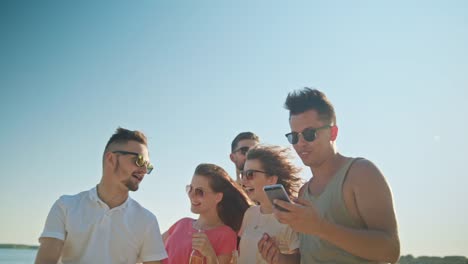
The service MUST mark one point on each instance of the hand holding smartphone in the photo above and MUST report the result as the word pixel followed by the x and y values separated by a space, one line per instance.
pixel 277 191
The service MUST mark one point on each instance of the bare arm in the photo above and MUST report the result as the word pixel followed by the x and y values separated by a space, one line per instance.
pixel 374 205
pixel 152 262
pixel 49 251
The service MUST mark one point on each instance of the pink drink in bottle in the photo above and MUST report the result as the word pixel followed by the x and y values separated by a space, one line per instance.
pixel 196 257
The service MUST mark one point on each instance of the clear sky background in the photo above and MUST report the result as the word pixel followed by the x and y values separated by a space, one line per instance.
pixel 194 74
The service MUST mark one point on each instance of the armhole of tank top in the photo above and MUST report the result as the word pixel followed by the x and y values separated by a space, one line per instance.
pixel 345 175
pixel 304 189
pixel 342 184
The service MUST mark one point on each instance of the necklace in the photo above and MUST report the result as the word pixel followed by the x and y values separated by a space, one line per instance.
pixel 196 225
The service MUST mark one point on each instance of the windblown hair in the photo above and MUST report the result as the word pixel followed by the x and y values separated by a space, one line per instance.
pixel 276 161
pixel 235 201
pixel 306 99
pixel 123 136
pixel 242 136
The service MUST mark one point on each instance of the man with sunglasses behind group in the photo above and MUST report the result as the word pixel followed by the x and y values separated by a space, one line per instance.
pixel 239 147
pixel 345 212
pixel 104 225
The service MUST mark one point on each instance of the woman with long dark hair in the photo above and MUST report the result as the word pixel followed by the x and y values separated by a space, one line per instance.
pixel 220 204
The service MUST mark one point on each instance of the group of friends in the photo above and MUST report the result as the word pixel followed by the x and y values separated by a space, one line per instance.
pixel 343 214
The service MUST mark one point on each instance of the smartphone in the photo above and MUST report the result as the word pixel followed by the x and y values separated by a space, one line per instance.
pixel 276 191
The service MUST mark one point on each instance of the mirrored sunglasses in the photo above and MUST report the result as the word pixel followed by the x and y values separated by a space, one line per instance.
pixel 139 161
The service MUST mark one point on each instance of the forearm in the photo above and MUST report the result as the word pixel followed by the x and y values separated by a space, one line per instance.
pixel 42 259
pixel 49 251
pixel 368 244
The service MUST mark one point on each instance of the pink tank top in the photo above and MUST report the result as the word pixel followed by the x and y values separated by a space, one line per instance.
pixel 179 242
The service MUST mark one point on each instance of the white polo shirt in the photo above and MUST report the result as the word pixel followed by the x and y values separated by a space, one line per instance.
pixel 93 233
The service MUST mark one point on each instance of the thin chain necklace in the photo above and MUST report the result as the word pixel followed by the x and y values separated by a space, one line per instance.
pixel 196 225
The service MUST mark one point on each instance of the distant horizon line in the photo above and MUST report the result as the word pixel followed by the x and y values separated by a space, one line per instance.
pixel 29 246
pixel 18 246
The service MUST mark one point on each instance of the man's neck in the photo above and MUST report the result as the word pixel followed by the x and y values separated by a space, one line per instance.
pixel 238 176
pixel 266 208
pixel 328 167
pixel 113 196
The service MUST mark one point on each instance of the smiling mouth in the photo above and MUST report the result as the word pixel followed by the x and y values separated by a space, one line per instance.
pixel 248 190
pixel 139 178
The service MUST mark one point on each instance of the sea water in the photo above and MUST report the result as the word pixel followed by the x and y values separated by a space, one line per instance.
pixel 17 256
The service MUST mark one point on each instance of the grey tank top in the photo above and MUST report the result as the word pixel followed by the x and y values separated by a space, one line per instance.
pixel 330 205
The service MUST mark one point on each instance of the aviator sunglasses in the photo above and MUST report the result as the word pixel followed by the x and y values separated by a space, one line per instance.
pixel 197 191
pixel 309 134
pixel 140 161
pixel 249 174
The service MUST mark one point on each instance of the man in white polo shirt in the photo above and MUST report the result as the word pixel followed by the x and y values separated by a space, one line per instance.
pixel 104 225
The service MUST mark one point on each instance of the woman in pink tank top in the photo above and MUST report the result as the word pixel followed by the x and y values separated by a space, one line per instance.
pixel 212 238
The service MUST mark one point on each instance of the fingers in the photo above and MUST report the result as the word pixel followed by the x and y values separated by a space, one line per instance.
pixel 285 217
pixel 199 241
pixel 268 249
pixel 286 205
pixel 261 242
pixel 279 215
pixel 199 235
pixel 302 202
pixel 272 253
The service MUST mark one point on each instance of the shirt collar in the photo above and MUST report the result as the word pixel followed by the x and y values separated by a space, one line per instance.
pixel 94 197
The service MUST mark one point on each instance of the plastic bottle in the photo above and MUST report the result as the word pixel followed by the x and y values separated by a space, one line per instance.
pixel 234 257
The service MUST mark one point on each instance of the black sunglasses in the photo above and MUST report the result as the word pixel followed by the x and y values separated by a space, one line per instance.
pixel 243 150
pixel 140 161
pixel 309 134
pixel 249 174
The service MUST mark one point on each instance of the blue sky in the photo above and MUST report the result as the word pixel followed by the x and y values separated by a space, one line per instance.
pixel 192 75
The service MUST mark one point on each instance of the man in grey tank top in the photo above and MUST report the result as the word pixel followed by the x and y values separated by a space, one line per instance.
pixel 344 213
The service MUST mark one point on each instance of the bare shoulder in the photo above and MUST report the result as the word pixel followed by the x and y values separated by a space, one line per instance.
pixel 365 174
pixel 372 196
